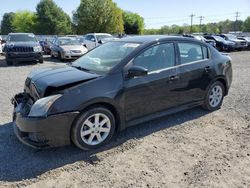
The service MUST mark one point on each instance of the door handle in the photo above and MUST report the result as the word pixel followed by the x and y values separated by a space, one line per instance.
pixel 174 77
pixel 207 69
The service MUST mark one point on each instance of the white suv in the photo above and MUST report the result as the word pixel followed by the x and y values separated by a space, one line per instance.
pixel 93 40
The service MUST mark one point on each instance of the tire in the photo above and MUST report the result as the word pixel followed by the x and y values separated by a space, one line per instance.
pixel 9 63
pixel 51 54
pixel 60 57
pixel 214 96
pixel 84 132
pixel 41 60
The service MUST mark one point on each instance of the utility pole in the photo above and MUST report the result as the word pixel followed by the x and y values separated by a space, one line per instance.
pixel 191 27
pixel 237 15
pixel 201 18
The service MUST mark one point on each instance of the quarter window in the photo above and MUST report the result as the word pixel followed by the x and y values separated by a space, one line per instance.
pixel 158 57
pixel 205 52
pixel 191 52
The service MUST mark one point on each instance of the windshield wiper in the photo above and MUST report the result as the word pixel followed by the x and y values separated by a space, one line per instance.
pixel 83 69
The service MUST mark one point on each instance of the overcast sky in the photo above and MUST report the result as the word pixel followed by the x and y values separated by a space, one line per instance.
pixel 155 12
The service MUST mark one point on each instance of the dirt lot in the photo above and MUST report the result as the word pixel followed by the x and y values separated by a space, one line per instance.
pixel 189 149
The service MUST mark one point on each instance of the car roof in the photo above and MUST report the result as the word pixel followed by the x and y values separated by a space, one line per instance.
pixel 99 34
pixel 72 38
pixel 151 38
pixel 21 33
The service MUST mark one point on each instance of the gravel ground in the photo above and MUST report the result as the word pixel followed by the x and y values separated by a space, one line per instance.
pixel 189 149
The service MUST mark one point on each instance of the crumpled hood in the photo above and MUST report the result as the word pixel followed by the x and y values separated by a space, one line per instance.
pixel 57 77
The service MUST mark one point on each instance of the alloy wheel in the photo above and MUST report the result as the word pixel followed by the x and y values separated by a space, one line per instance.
pixel 215 96
pixel 95 129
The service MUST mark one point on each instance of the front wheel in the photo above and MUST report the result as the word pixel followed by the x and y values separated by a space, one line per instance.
pixel 9 63
pixel 41 60
pixel 214 97
pixel 93 129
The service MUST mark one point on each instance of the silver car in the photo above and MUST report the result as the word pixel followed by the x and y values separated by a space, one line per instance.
pixel 67 48
pixel 93 40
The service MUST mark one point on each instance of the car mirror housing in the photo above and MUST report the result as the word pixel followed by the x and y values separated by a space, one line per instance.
pixel 136 71
pixel 100 42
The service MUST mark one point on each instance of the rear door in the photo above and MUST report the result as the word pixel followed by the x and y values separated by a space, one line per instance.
pixel 154 92
pixel 195 71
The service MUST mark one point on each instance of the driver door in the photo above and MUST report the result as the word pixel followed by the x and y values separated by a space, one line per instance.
pixel 154 92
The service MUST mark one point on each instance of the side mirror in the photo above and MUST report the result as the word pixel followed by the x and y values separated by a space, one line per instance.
pixel 3 41
pixel 136 71
pixel 100 42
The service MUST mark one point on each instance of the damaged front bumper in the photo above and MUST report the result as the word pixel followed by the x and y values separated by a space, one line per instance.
pixel 40 132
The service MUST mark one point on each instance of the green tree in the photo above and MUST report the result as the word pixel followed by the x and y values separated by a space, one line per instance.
pixel 24 21
pixel 6 24
pixel 246 25
pixel 51 19
pixel 98 16
pixel 151 31
pixel 164 30
pixel 133 23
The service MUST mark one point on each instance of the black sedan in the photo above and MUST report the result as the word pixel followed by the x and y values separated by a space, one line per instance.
pixel 116 85
pixel 221 43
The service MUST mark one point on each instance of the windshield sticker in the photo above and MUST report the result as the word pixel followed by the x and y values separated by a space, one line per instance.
pixel 131 45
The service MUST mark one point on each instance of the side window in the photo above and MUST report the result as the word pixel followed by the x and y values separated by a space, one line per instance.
pixel 157 57
pixel 90 37
pixel 190 52
pixel 205 52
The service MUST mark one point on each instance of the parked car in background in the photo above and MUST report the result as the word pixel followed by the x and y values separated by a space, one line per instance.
pixel 201 38
pixel 221 44
pixel 81 39
pixel 1 46
pixel 22 47
pixel 240 44
pixel 46 45
pixel 116 85
pixel 67 48
pixel 93 40
pixel 246 39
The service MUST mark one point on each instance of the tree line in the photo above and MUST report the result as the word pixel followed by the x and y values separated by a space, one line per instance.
pixel 99 16
pixel 90 16
pixel 219 27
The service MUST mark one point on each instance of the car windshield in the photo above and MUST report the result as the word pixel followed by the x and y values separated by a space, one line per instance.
pixel 22 38
pixel 198 37
pixel 220 39
pixel 100 37
pixel 230 36
pixel 68 41
pixel 103 58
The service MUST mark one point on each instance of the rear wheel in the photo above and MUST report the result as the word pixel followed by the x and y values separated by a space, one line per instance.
pixel 93 129
pixel 9 63
pixel 51 54
pixel 214 97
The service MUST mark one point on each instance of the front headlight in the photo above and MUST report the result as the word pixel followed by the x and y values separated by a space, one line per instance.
pixel 37 48
pixel 41 106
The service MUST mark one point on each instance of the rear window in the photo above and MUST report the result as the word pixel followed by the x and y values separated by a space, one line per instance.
pixel 190 52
